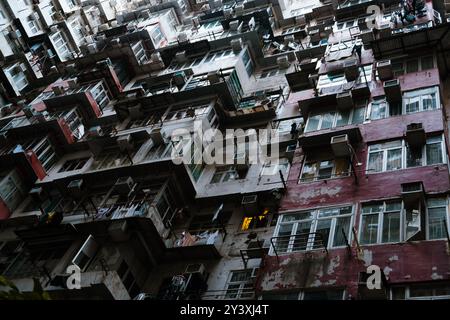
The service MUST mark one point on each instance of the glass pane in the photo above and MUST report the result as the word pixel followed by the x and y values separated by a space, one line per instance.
pixel 394 159
pixel 391 227
pixel 284 232
pixel 412 105
pixel 378 110
pixel 342 167
pixel 369 229
pixel 429 101
pixel 342 225
pixel 375 162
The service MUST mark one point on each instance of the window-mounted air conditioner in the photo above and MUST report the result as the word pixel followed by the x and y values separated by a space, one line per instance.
pixel 341 146
pixel 384 68
pixel 75 187
pixel 179 78
pixel 54 29
pixel 182 37
pixel 58 90
pixel 290 150
pixel 239 10
pixel 415 135
pixel 392 90
pixel 344 100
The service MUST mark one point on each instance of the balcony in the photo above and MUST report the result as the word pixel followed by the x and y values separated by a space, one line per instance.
pixel 301 242
pixel 196 244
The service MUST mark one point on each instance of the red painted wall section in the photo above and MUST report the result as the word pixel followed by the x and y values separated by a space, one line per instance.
pixel 35 164
pixel 4 210
pixel 66 131
pixel 94 105
pixel 401 263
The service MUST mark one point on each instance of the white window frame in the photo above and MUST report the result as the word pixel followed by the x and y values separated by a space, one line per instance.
pixel 427 218
pixel 241 289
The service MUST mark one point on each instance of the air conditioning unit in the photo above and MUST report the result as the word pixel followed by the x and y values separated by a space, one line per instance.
pixel 341 146
pixel 412 193
pixel 250 205
pixel 344 100
pixel 239 10
pixel 118 231
pixel 384 68
pixel 415 135
pixel 135 112
pixel 157 136
pixel 283 62
pixel 92 48
pixel 181 56
pixel 234 25
pixel 58 90
pixel 76 187
pixel 72 83
pixel 95 131
pixel 288 39
pixel 314 35
pixel 103 27
pixel 89 39
pixel 241 160
pixel 227 13
pixel 124 185
pixel 115 43
pixel 236 45
pixel 213 77
pixel 351 70
pixel 392 90
pixel 54 29
pixel 156 57
pixel 179 78
pixel 125 142
pixel 289 153
pixel 182 37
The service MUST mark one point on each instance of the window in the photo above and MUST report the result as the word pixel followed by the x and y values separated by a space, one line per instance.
pixel 61 46
pixel 157 36
pixel 381 222
pixel 273 168
pixel 241 284
pixel 33 24
pixel 100 94
pixel 402 66
pixel 313 229
pixel 74 164
pixel 128 279
pixel 437 218
pixel 227 174
pixel 335 119
pixel 346 24
pixel 420 100
pixel 18 76
pixel 395 155
pixel 325 169
pixel 247 62
pixel 431 291
pixel 260 220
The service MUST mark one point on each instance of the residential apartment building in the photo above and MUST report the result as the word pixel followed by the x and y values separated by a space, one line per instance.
pixel 94 176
